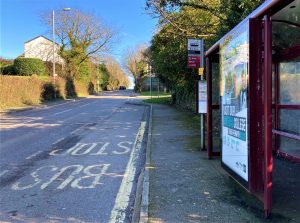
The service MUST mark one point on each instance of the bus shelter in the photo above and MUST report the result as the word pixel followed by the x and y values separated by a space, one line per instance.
pixel 253 88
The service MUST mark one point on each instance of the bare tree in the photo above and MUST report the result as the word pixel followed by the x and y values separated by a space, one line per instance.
pixel 81 37
pixel 117 77
pixel 136 61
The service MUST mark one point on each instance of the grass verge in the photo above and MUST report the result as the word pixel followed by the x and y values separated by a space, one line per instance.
pixel 162 100
pixel 155 93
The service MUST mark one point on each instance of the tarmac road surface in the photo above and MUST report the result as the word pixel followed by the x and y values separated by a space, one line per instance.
pixel 72 162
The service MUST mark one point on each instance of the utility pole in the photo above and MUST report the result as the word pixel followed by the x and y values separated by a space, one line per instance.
pixel 53 46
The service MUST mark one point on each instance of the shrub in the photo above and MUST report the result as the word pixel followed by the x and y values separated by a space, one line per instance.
pixel 29 66
pixel 49 67
pixel 61 86
pixel 8 70
pixel 50 92
pixel 70 90
pixel 91 88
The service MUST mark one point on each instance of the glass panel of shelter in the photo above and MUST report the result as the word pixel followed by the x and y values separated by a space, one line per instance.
pixel 286 57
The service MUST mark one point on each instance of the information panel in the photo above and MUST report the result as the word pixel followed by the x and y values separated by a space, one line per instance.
pixel 202 97
pixel 234 58
pixel 194 53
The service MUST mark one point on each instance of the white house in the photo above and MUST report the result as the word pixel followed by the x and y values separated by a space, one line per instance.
pixel 42 48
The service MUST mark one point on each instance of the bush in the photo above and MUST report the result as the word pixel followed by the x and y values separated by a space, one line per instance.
pixel 70 88
pixel 91 88
pixel 50 92
pixel 29 66
pixel 8 70
pixel 49 69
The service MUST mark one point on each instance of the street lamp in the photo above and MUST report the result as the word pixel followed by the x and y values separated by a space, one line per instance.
pixel 53 46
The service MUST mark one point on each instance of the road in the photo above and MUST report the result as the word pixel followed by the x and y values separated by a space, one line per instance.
pixel 72 162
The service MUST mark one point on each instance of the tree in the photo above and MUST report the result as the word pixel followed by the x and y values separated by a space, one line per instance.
pixel 209 19
pixel 81 36
pixel 137 61
pixel 180 20
pixel 117 77
pixel 103 76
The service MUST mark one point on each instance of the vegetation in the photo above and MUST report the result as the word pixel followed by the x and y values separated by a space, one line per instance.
pixel 6 66
pixel 50 92
pixel 155 93
pixel 8 70
pixel 137 63
pixel 82 37
pixel 103 77
pixel 161 100
pixel 116 77
pixel 29 66
pixel 19 91
pixel 180 20
pixel 83 40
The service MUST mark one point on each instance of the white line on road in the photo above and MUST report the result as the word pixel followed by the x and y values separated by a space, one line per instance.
pixel 33 155
pixel 87 104
pixel 3 172
pixel 62 112
pixel 84 105
pixel 59 140
pixel 118 213
pixel 76 130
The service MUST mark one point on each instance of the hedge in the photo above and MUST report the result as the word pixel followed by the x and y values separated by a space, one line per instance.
pixel 29 66
pixel 7 70
pixel 17 91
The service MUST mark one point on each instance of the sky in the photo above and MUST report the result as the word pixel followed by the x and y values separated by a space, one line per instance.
pixel 20 21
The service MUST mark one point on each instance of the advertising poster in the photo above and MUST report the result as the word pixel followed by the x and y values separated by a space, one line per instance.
pixel 234 57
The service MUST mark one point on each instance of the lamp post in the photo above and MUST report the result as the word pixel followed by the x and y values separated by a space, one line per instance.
pixel 53 46
pixel 53 51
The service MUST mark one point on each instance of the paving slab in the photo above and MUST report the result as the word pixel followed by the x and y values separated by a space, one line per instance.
pixel 187 187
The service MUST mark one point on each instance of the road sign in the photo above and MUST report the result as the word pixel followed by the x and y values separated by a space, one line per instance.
pixel 194 61
pixel 195 48
pixel 194 44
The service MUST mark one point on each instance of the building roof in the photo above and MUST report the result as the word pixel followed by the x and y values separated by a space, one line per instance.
pixel 42 37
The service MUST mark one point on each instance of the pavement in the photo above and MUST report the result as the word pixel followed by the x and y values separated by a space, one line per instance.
pixel 180 184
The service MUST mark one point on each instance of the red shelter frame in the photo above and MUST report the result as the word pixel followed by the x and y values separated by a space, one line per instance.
pixel 260 101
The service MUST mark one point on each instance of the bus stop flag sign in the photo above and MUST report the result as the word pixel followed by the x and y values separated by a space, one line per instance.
pixel 194 53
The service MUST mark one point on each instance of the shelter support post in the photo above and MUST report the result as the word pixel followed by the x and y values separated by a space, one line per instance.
pixel 255 107
pixel 268 159
pixel 209 107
